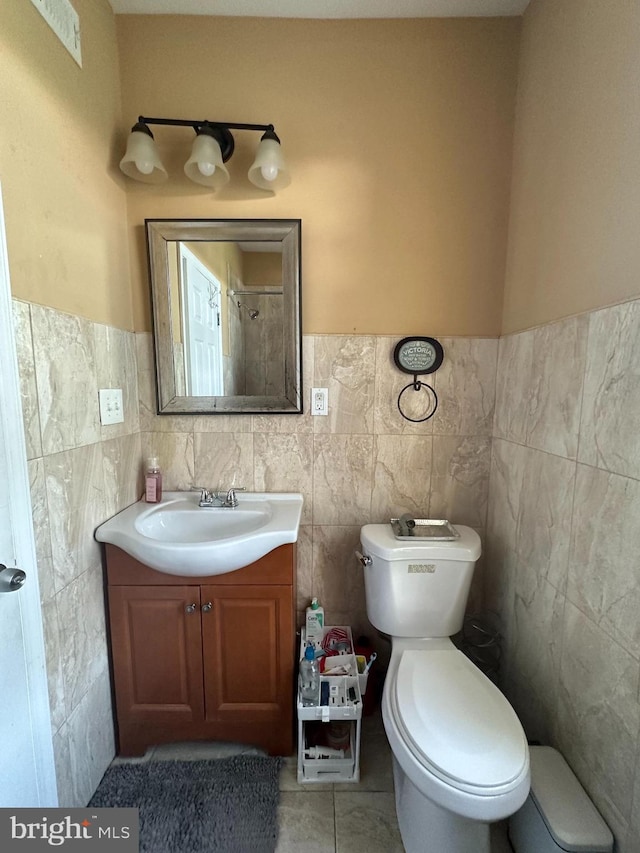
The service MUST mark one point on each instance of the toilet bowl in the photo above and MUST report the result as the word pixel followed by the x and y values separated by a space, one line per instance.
pixel 460 756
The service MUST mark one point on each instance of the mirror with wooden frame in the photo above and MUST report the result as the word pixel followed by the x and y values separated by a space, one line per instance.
pixel 226 315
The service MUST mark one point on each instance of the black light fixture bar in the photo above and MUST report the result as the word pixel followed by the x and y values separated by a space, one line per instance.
pixel 232 125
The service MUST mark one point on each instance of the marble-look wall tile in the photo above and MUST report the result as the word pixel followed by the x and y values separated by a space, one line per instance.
pixel 508 463
pixel 562 540
pixel 515 369
pixel 632 843
pixel 604 581
pixel 466 387
pixel 175 453
pixel 544 515
pixel 53 651
pixel 609 435
pixel 91 741
pixel 222 423
pixel 27 371
pixel 475 603
pixel 460 479
pixel 64 350
pixel 401 477
pixel 83 645
pixel 294 423
pixel 224 460
pixel 115 352
pixel 41 528
pixel 342 479
pixel 598 712
pixel 304 573
pixel 284 463
pixel 77 505
pixel 530 512
pixel 123 472
pixel 338 578
pixel 149 419
pixel 389 382
pixel 77 479
pixel 560 351
pixel 534 647
pixel 343 364
pixel 539 386
pixel 64 772
pixel 535 709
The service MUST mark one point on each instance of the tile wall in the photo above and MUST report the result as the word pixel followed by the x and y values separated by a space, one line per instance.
pixel 361 463
pixel 81 473
pixel 563 546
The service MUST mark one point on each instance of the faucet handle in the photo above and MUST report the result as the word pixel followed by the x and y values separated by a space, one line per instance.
pixel 232 500
pixel 203 492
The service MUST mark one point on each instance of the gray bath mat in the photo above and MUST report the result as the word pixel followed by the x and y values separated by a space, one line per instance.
pixel 228 805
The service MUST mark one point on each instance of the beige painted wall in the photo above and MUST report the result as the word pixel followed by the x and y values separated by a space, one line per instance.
pixel 575 206
pixel 64 200
pixel 398 134
pixel 262 269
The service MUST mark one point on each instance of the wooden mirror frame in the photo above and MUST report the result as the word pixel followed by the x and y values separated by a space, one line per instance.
pixel 285 231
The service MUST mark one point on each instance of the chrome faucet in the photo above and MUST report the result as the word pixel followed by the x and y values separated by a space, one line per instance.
pixel 217 498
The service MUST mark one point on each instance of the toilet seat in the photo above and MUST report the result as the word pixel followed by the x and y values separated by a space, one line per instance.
pixel 456 722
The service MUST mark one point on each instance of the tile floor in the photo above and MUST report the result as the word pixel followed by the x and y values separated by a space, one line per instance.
pixel 330 817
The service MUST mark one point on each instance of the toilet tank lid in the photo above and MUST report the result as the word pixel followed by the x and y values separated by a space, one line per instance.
pixel 564 806
pixel 379 540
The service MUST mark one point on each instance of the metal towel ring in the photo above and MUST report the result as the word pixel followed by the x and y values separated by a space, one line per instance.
pixel 417 385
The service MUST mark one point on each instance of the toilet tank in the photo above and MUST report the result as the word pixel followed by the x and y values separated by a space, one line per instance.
pixel 417 589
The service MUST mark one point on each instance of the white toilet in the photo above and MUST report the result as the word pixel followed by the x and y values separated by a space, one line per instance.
pixel 460 756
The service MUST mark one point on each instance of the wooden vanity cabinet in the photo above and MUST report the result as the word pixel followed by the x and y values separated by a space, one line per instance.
pixel 209 658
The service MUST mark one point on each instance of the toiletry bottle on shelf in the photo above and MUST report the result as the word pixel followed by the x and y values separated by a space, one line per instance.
pixel 309 677
pixel 314 623
pixel 153 482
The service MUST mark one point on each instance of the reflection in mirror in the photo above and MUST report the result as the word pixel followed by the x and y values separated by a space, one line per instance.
pixel 226 306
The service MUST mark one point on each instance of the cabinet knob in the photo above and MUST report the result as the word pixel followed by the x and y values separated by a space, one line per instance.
pixel 190 608
pixel 206 608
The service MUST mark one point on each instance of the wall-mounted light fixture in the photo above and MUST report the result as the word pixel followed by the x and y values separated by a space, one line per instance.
pixel 212 148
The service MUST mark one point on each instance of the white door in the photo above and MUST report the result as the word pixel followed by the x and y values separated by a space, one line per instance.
pixel 202 327
pixel 27 775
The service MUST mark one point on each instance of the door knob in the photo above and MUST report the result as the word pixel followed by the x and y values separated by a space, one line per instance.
pixel 206 608
pixel 11 580
pixel 190 608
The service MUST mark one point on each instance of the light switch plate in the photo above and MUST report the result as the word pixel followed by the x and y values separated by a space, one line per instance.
pixel 319 401
pixel 111 409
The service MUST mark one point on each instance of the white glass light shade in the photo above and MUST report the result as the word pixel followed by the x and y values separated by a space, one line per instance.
pixel 141 160
pixel 269 171
pixel 205 165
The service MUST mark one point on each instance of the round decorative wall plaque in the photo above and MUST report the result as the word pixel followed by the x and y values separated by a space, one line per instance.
pixel 418 355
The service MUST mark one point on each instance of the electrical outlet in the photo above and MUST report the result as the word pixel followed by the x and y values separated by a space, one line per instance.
pixel 319 401
pixel 111 408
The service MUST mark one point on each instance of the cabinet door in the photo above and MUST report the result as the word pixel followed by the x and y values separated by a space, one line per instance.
pixel 157 653
pixel 248 653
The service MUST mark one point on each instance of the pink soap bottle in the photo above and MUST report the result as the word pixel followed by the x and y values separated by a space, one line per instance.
pixel 153 482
